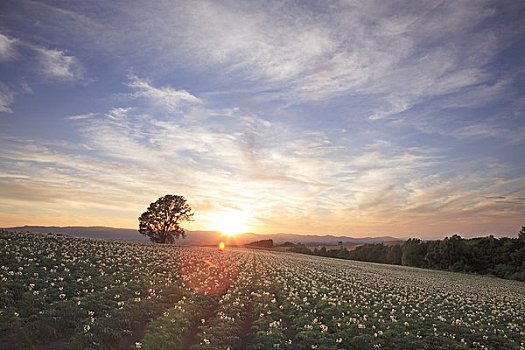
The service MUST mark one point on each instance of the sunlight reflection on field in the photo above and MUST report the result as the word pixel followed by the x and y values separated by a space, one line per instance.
pixel 212 271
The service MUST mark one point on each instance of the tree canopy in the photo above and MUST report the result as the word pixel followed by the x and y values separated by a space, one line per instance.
pixel 161 221
pixel 503 257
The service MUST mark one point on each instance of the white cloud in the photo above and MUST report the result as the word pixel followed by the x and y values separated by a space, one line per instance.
pixel 271 44
pixel 396 55
pixel 6 98
pixel 494 129
pixel 81 116
pixel 480 130
pixel 166 97
pixel 365 49
pixel 7 48
pixel 52 63
pixel 56 64
pixel 118 113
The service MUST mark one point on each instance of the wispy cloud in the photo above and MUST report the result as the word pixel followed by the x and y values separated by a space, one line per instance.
pixel 395 55
pixel 491 130
pixel 368 49
pixel 80 116
pixel 56 64
pixel 7 49
pixel 262 44
pixel 167 97
pixel 118 113
pixel 50 63
pixel 6 98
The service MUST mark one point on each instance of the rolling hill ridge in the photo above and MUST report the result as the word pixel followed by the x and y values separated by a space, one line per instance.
pixel 199 238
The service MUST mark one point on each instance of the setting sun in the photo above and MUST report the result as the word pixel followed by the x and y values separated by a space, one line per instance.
pixel 231 223
pixel 231 228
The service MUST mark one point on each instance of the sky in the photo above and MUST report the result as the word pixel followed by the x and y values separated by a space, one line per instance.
pixel 364 118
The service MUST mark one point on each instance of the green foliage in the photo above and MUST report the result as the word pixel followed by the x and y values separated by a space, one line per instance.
pixel 302 249
pixel 379 253
pixel 161 221
pixel 170 330
pixel 503 257
pixel 413 253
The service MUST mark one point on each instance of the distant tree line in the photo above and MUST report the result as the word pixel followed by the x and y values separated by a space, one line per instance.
pixel 501 257
pixel 264 243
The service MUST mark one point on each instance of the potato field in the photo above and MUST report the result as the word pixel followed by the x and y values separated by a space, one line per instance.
pixel 67 293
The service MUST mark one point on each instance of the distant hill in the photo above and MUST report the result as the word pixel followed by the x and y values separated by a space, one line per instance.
pixel 96 232
pixel 118 234
pixel 201 237
pixel 265 243
pixel 280 238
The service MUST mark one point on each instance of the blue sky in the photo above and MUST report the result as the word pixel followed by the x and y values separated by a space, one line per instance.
pixel 341 117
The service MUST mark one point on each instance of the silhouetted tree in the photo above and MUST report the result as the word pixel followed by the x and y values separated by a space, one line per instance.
pixel 394 255
pixel 161 221
pixel 413 253
pixel 436 255
pixel 300 248
pixel 341 253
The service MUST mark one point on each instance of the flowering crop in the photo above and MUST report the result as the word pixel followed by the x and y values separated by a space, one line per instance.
pixel 85 294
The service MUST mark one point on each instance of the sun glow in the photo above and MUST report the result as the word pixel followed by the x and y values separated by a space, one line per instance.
pixel 231 223
pixel 232 228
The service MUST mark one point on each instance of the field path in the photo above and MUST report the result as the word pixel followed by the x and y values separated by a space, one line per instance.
pixel 190 339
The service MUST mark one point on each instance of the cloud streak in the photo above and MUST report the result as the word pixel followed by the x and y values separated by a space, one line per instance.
pixel 168 97
pixel 6 98
pixel 52 64
pixel 365 49
pixel 56 64
pixel 7 48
